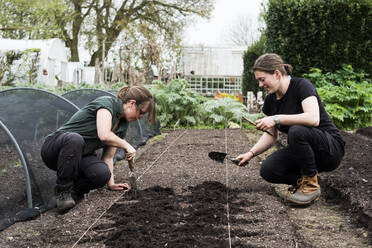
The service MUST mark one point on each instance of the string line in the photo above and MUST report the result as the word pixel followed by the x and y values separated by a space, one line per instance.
pixel 121 195
pixel 227 193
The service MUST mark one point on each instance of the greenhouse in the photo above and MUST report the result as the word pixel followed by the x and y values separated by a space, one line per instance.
pixel 211 69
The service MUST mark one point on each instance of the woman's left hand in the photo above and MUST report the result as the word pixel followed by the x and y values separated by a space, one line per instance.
pixel 119 186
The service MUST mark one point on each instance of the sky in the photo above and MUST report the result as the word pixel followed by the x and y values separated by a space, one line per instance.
pixel 213 32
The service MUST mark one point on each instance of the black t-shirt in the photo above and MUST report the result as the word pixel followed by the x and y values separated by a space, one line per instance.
pixel 298 90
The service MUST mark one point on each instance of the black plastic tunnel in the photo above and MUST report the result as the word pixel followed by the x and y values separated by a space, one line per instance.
pixel 27 116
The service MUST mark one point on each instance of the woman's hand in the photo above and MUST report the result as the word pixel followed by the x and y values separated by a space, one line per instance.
pixel 245 157
pixel 265 123
pixel 119 186
pixel 130 152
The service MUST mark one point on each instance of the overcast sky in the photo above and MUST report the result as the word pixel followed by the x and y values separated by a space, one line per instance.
pixel 212 32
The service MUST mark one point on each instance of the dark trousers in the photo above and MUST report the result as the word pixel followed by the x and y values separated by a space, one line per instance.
pixel 63 153
pixel 309 151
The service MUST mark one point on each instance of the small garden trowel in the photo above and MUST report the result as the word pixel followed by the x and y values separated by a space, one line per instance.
pixel 132 178
pixel 221 156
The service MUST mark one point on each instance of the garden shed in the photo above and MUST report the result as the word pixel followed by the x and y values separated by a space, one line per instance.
pixel 208 69
pixel 43 61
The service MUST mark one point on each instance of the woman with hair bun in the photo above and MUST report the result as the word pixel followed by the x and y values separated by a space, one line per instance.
pixel 315 145
pixel 102 123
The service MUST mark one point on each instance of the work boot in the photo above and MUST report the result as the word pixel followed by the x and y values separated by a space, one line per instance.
pixel 282 190
pixel 77 196
pixel 306 191
pixel 285 190
pixel 64 200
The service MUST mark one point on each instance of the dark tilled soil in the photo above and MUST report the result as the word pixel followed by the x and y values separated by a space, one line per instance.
pixel 186 199
pixel 12 178
pixel 352 181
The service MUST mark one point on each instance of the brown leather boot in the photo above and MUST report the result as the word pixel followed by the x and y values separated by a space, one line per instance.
pixel 308 190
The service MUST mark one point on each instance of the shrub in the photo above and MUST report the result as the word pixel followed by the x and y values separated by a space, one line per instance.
pixel 249 82
pixel 176 104
pixel 320 33
pixel 66 87
pixel 221 111
pixel 346 95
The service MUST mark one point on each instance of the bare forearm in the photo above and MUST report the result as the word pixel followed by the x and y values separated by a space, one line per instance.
pixel 109 160
pixel 306 119
pixel 113 140
pixel 105 133
pixel 264 143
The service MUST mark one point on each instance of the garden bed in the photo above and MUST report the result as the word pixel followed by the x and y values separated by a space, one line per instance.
pixel 187 200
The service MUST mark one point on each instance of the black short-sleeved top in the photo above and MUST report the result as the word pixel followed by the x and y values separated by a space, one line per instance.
pixel 84 122
pixel 298 90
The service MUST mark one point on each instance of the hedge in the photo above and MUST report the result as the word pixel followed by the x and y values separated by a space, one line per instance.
pixel 320 33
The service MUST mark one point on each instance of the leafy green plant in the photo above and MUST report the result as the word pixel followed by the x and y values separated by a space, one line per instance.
pixel 221 111
pixel 34 232
pixel 346 95
pixel 17 164
pixel 176 104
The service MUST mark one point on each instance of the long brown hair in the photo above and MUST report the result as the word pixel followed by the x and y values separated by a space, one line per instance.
pixel 141 95
pixel 269 62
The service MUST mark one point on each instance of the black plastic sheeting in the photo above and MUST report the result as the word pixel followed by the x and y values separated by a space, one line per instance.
pixel 137 135
pixel 30 115
pixel 82 97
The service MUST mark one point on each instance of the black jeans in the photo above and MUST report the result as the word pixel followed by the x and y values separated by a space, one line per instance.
pixel 309 151
pixel 63 153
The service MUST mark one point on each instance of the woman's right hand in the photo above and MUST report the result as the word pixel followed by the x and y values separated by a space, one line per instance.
pixel 130 153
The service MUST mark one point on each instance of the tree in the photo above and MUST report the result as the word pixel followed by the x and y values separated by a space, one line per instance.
pixel 243 32
pixel 32 19
pixel 96 21
pixel 41 19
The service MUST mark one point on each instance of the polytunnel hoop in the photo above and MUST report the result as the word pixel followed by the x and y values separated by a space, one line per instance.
pixel 23 161
pixel 15 142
